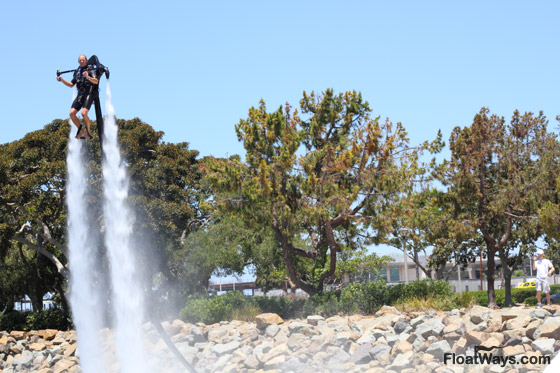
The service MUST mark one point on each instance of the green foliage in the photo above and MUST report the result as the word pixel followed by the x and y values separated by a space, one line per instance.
pixel 164 192
pixel 210 310
pixel 357 298
pixel 285 307
pixel 518 295
pixel 49 319
pixel 13 320
pixel 500 176
pixel 518 273
pixel 46 319
pixel 531 301
pixel 466 299
pixel 316 180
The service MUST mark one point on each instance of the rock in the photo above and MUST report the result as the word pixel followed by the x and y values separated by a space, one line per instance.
pixel 251 362
pixel 315 320
pixel 401 325
pixel 276 351
pixel 361 355
pixel 474 337
pixel 438 349
pixel 430 328
pixel 554 319
pixel 37 346
pixel 540 313
pixel 401 362
pixel 70 350
pixel 514 350
pixel 379 349
pixel 532 328
pixel 227 348
pixel 17 335
pixel 63 365
pixel 299 327
pixel 366 339
pixel 50 334
pixel 460 347
pixel 544 346
pixel 479 314
pixel 401 348
pixel 265 319
pixel 272 330
pixel 550 330
pixel 25 359
pixel 387 310
pixel 263 348
pixel 419 320
pixel 518 322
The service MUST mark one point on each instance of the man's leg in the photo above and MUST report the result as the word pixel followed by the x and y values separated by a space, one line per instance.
pixel 74 117
pixel 546 289
pixel 87 122
pixel 538 296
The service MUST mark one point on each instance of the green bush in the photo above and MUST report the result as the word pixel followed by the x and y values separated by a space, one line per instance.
pixel 210 310
pixel 325 303
pixel 285 307
pixel 531 301
pixel 46 319
pixel 13 321
pixel 466 299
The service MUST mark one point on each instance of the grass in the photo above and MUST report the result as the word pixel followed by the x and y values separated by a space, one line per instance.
pixel 246 313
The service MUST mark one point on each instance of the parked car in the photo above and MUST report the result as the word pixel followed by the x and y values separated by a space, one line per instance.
pixel 527 285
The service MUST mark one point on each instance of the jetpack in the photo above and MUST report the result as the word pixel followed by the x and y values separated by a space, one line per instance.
pixel 95 69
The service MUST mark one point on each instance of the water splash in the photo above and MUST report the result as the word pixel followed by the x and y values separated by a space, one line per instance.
pixel 127 291
pixel 84 296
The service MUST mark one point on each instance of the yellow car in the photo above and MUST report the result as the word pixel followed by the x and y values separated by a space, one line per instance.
pixel 526 285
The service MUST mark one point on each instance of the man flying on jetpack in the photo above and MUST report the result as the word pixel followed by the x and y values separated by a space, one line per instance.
pixel 86 78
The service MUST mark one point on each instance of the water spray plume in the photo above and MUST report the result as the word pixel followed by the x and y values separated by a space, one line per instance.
pixel 84 296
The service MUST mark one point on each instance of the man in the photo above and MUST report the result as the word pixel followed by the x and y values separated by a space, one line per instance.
pixel 86 85
pixel 544 269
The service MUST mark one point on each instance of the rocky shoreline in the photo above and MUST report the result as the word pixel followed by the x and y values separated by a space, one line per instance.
pixel 389 341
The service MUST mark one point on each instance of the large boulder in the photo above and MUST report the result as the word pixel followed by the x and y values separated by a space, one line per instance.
pixel 265 319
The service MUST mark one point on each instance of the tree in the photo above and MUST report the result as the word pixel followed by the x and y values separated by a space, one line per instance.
pixel 164 194
pixel 500 176
pixel 321 182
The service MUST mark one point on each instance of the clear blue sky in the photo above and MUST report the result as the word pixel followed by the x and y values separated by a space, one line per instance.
pixel 193 68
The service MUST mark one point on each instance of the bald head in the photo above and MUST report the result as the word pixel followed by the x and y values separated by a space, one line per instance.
pixel 82 60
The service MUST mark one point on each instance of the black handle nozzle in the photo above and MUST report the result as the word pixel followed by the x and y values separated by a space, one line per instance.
pixel 57 72
pixel 106 72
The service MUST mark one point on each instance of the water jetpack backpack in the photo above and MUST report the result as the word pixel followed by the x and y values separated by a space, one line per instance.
pixel 95 65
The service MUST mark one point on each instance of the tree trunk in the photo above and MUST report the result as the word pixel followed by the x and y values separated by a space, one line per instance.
pixel 508 302
pixel 490 279
pixel 36 300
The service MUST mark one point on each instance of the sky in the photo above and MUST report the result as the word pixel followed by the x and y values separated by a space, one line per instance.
pixel 192 69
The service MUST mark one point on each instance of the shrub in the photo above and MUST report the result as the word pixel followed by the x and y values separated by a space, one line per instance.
pixel 210 310
pixel 531 301
pixel 285 307
pixel 13 321
pixel 466 299
pixel 49 319
pixel 325 303
pixel 46 319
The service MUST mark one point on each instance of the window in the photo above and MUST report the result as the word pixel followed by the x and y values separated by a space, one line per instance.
pixel 394 274
pixel 382 275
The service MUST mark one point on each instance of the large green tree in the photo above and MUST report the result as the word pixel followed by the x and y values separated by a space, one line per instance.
pixel 321 181
pixel 500 176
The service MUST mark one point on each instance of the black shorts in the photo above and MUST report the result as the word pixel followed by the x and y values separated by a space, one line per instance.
pixel 83 100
